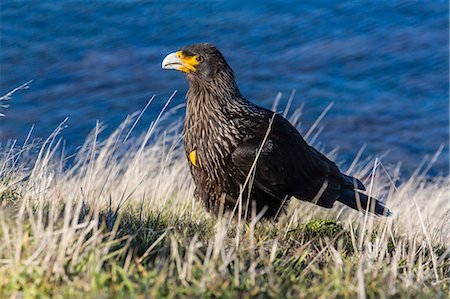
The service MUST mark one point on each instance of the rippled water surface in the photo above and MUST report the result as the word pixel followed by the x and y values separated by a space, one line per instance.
pixel 384 64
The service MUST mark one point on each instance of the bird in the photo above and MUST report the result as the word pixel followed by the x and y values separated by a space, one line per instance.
pixel 239 151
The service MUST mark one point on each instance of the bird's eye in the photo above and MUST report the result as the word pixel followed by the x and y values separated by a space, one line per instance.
pixel 199 59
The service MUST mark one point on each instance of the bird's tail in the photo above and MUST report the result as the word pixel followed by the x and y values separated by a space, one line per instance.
pixel 359 201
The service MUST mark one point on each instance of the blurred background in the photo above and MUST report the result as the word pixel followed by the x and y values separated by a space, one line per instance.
pixel 384 64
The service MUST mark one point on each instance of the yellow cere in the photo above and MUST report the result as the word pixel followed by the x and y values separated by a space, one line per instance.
pixel 190 62
pixel 193 158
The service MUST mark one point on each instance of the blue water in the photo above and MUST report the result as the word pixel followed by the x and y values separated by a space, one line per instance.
pixel 384 64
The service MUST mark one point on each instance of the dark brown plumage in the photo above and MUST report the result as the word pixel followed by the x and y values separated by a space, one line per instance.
pixel 223 133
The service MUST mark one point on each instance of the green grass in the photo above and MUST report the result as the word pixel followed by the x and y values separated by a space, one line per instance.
pixel 121 222
pixel 170 256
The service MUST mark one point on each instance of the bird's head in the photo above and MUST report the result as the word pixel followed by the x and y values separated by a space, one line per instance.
pixel 198 61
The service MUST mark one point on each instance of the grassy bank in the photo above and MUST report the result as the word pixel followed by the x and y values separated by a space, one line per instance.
pixel 121 221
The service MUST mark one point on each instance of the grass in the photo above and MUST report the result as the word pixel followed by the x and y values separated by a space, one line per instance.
pixel 121 221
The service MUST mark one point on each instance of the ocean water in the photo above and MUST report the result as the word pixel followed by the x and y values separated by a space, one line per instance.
pixel 384 65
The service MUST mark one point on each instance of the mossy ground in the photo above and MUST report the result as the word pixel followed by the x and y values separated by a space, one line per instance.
pixel 165 256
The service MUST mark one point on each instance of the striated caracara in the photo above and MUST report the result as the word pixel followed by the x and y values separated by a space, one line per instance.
pixel 224 133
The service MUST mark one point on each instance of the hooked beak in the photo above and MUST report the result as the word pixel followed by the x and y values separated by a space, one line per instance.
pixel 178 61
